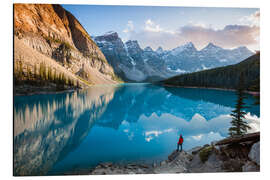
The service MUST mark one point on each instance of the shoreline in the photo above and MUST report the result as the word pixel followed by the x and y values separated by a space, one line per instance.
pixel 40 92
pixel 255 93
pixel 231 154
pixel 52 91
pixel 22 91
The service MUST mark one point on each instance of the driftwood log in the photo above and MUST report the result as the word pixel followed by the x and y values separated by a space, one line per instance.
pixel 240 139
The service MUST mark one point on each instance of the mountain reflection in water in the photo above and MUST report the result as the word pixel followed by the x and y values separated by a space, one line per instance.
pixel 57 133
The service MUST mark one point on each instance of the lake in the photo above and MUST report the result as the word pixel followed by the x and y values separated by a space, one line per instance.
pixel 63 132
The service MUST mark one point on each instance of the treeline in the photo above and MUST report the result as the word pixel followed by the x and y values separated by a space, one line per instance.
pixel 42 76
pixel 223 77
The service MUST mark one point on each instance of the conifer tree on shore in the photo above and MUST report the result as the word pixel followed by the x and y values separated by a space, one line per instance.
pixel 239 125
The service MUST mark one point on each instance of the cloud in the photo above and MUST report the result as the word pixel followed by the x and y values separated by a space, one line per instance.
pixel 149 135
pixel 230 36
pixel 204 138
pixel 157 133
pixel 129 28
pixel 150 26
pixel 253 122
pixel 200 34
pixel 253 19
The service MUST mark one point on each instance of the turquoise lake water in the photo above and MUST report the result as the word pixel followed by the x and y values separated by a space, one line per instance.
pixel 60 133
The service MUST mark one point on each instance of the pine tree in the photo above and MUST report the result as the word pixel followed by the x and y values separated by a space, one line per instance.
pixel 55 77
pixel 29 73
pixel 35 71
pixel 20 70
pixel 41 71
pixel 239 125
pixel 49 74
pixel 78 84
pixel 46 73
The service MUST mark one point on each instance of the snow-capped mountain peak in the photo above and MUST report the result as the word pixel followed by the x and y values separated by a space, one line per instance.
pixel 186 47
pixel 109 33
pixel 159 50
pixel 108 36
pixel 211 47
pixel 189 45
pixel 132 62
pixel 132 44
pixel 148 48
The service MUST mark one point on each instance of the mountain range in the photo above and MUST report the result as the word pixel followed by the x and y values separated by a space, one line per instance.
pixel 132 63
pixel 51 45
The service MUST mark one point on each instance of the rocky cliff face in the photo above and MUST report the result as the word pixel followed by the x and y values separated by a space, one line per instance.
pixel 118 57
pixel 130 61
pixel 54 32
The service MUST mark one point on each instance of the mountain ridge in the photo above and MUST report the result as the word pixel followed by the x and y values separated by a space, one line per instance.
pixel 162 64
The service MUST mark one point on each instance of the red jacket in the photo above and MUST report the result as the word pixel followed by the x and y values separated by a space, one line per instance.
pixel 180 140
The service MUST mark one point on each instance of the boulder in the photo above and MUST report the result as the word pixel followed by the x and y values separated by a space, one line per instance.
pixel 212 164
pixel 254 153
pixel 194 150
pixel 250 167
pixel 173 155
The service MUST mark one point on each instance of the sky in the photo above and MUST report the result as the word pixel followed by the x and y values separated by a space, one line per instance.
pixel 170 27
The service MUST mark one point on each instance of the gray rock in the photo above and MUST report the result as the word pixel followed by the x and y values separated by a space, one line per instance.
pixel 213 164
pixel 213 143
pixel 173 155
pixel 254 153
pixel 162 163
pixel 190 162
pixel 250 167
pixel 194 150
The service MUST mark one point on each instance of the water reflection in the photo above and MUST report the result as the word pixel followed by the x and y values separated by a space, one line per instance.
pixel 135 122
pixel 220 97
pixel 47 127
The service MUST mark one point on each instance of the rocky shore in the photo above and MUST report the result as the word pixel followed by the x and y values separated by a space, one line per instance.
pixel 237 154
pixel 25 89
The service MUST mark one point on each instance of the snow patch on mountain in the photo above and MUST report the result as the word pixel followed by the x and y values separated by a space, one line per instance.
pixel 186 47
pixel 109 33
pixel 159 50
pixel 132 60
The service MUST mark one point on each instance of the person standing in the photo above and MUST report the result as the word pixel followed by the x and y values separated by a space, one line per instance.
pixel 180 142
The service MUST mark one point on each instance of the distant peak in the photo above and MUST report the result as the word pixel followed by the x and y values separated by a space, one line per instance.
pixel 148 48
pixel 108 36
pixel 189 44
pixel 211 46
pixel 159 50
pixel 132 41
pixel 133 44
pixel 242 47
pixel 109 33
pixel 186 47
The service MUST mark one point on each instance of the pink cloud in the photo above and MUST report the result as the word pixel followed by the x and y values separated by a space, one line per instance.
pixel 229 37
